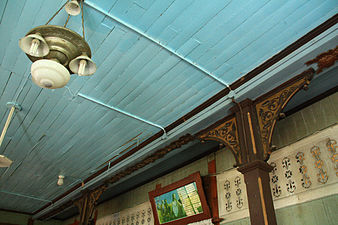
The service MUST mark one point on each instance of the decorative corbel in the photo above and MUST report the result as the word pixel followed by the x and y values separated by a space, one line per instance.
pixel 325 59
pixel 270 106
pixel 224 131
pixel 87 203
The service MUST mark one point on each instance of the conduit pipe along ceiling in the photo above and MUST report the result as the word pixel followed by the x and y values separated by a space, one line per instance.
pixel 57 52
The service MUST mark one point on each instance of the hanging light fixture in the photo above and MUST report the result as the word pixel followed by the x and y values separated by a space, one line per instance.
pixel 73 8
pixel 57 52
pixel 4 161
pixel 60 180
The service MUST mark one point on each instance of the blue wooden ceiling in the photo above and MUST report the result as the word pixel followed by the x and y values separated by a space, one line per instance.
pixel 153 63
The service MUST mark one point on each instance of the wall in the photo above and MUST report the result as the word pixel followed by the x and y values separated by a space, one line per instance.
pixel 304 183
pixel 140 195
pixel 309 120
pixel 305 123
pixel 301 124
pixel 22 219
pixel 316 212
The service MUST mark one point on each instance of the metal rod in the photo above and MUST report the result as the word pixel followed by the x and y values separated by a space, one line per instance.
pixel 25 196
pixel 82 16
pixel 122 112
pixel 8 121
pixel 67 20
pixel 131 27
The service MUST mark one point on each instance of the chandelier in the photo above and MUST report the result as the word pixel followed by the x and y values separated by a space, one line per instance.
pixel 57 52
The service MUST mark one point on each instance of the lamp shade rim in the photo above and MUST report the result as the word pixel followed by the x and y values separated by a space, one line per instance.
pixel 26 42
pixel 90 67
pixel 4 161
pixel 49 74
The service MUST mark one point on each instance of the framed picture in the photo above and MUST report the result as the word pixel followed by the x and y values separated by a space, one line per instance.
pixel 182 202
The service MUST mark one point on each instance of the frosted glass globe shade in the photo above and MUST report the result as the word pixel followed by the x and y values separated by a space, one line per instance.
pixel 49 74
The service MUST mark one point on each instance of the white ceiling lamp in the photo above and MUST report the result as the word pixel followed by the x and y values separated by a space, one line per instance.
pixel 82 65
pixel 52 48
pixel 73 8
pixel 49 74
pixel 34 45
pixel 4 161
pixel 60 180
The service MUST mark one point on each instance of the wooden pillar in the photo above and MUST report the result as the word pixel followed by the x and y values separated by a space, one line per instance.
pixel 256 176
pixel 254 168
pixel 213 197
pixel 87 203
pixel 247 133
pixel 30 221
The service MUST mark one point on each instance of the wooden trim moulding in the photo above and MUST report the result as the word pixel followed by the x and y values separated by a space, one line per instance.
pixel 150 159
pixel 14 211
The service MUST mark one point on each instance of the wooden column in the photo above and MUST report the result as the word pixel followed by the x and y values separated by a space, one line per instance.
pixel 30 221
pixel 247 133
pixel 87 203
pixel 212 192
pixel 261 208
pixel 254 168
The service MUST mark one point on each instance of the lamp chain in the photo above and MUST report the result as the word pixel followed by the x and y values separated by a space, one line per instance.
pixel 83 29
pixel 67 20
pixel 57 12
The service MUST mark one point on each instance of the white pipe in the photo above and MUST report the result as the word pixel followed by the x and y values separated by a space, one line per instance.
pixel 8 121
pixel 122 112
pixel 25 196
pixel 174 52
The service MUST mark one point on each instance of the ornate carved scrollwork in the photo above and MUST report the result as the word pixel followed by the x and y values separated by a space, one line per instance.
pixel 325 60
pixel 226 133
pixel 153 157
pixel 87 203
pixel 269 108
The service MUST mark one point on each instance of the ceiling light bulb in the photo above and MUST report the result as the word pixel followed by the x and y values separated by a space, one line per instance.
pixel 73 8
pixel 34 47
pixel 82 67
pixel 60 180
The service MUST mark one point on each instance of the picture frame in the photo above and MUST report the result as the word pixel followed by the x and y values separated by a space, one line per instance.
pixel 180 203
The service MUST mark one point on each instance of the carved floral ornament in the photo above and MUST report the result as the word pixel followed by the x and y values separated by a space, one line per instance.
pixel 325 60
pixel 269 109
pixel 153 157
pixel 227 134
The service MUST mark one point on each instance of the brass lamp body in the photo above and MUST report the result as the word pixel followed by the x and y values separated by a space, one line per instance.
pixel 64 44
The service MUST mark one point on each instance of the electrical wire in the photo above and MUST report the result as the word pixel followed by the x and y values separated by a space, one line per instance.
pixel 82 16
pixel 67 21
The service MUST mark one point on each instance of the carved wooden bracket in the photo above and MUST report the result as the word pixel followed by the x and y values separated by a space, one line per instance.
pixel 87 203
pixel 268 108
pixel 226 132
pixel 270 105
pixel 325 60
